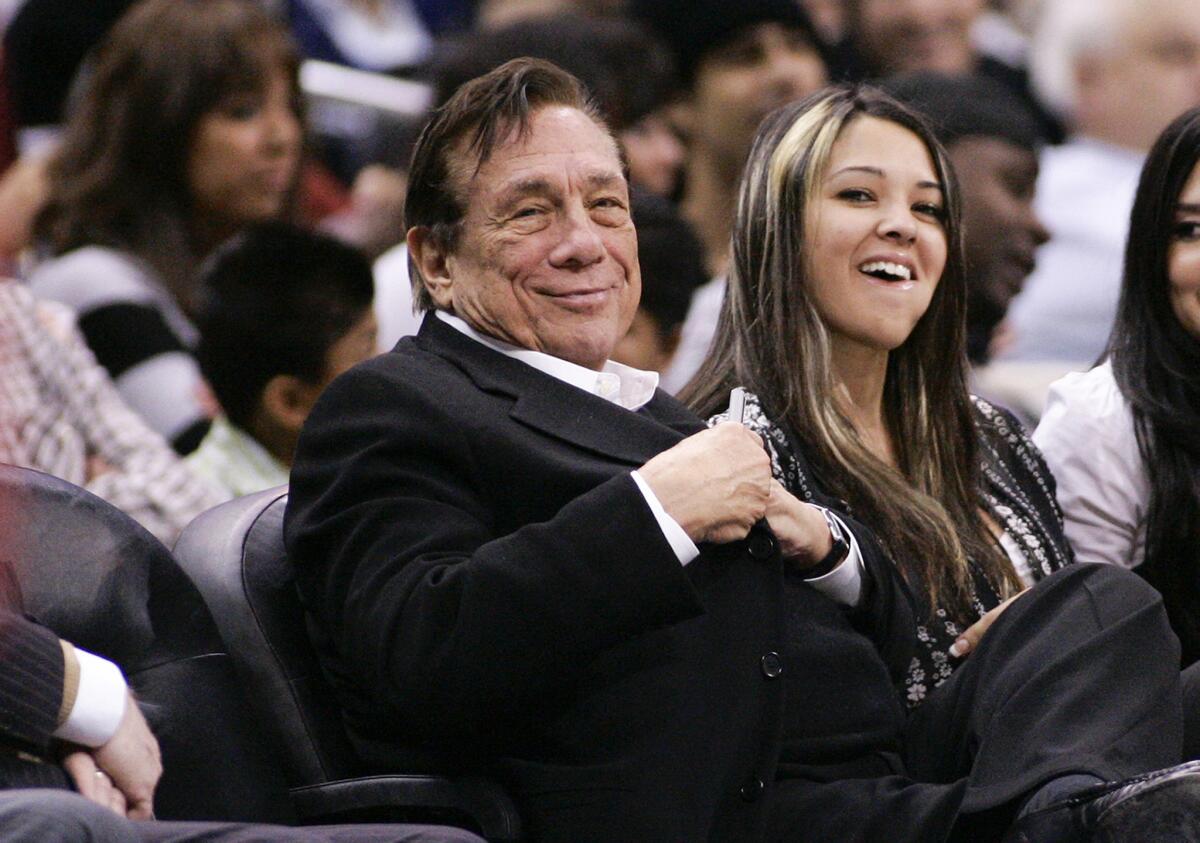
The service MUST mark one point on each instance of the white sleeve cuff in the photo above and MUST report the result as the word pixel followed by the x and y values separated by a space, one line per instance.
pixel 685 549
pixel 844 583
pixel 99 704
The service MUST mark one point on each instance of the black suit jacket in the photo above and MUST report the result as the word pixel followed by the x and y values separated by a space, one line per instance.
pixel 486 581
pixel 31 692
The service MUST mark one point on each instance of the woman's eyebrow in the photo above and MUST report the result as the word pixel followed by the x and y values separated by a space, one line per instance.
pixel 876 171
pixel 1187 208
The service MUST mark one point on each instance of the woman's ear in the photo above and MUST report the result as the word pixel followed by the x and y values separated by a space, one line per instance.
pixel 432 258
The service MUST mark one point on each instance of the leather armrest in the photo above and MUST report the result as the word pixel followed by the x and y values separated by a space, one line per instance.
pixel 474 803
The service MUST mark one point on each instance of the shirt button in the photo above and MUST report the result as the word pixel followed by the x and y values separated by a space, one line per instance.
pixel 772 665
pixel 752 790
pixel 760 545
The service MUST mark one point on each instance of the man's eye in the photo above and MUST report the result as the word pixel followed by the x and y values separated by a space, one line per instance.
pixel 526 213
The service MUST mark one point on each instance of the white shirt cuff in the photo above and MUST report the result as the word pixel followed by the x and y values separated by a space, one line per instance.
pixel 844 583
pixel 99 704
pixel 685 549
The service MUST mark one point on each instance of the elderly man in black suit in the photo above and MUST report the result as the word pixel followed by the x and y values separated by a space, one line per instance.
pixel 525 559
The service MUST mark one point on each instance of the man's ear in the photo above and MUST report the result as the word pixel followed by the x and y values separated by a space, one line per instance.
pixel 287 400
pixel 431 258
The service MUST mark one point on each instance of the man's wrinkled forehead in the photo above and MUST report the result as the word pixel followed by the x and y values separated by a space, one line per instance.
pixel 465 163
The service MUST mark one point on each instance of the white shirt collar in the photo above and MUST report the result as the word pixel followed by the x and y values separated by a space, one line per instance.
pixel 622 385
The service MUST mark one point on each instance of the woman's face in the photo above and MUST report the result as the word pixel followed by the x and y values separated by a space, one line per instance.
pixel 243 157
pixel 1183 258
pixel 876 239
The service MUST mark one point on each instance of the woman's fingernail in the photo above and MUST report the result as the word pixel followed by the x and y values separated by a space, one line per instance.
pixel 959 648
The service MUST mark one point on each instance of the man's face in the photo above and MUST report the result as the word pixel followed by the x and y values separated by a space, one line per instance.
pixel 1130 93
pixel 899 36
pixel 546 258
pixel 1001 232
pixel 740 82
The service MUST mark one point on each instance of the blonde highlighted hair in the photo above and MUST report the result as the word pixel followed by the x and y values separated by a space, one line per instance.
pixel 772 340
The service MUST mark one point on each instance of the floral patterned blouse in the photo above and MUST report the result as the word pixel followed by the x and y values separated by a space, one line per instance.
pixel 1017 489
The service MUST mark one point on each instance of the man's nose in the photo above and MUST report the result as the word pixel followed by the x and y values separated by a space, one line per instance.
pixel 580 243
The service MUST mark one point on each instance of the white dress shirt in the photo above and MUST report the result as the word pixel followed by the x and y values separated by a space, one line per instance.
pixel 99 704
pixel 1087 438
pixel 632 389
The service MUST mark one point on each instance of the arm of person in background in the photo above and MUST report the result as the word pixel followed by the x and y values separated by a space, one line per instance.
pixel 141 474
pixel 134 330
pixel 1086 436
pixel 22 193
pixel 52 690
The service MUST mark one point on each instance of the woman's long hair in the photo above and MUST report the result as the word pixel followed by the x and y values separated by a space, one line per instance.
pixel 772 340
pixel 120 176
pixel 1156 363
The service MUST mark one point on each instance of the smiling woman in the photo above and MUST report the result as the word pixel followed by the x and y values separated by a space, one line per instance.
pixel 845 319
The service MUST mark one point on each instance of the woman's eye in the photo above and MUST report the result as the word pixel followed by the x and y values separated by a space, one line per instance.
pixel 1187 231
pixel 930 209
pixel 855 194
pixel 245 110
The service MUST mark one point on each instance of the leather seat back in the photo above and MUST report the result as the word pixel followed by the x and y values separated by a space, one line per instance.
pixel 235 555
pixel 98 579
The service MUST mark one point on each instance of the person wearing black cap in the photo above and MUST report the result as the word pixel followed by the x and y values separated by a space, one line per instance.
pixel 739 60
pixel 992 140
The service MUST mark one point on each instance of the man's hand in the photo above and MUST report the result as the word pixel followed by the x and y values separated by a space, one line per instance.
pixel 715 483
pixel 131 758
pixel 966 643
pixel 802 531
pixel 93 783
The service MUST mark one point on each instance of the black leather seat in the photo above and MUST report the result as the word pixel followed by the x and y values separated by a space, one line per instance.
pixel 95 577
pixel 235 555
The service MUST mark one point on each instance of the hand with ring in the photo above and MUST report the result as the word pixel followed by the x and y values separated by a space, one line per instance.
pixel 93 783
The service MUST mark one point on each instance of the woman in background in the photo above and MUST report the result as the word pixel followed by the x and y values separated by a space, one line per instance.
pixel 845 320
pixel 188 130
pixel 1123 440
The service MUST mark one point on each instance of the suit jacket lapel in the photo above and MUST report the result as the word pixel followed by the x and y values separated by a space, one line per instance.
pixel 560 410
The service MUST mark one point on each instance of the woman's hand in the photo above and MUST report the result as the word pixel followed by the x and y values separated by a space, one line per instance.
pixel 802 531
pixel 966 643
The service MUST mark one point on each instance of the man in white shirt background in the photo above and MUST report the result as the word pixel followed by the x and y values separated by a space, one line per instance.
pixel 1119 71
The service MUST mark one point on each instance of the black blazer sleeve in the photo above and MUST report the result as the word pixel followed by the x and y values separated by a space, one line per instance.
pixel 431 612
pixel 885 613
pixel 31 682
